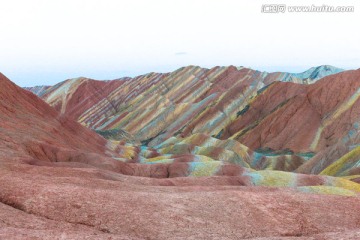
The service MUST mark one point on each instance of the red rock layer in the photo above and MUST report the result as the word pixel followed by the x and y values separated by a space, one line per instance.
pixel 26 122
pixel 302 118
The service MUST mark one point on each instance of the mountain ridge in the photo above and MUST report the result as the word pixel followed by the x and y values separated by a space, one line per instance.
pixel 58 98
pixel 226 103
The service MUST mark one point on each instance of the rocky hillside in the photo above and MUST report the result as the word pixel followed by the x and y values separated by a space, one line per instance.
pixel 154 107
pixel 279 117
pixel 187 179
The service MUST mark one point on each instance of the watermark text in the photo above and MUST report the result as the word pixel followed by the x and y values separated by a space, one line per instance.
pixel 282 8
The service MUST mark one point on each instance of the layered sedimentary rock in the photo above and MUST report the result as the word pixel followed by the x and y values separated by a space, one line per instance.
pixel 87 203
pixel 38 90
pixel 155 107
pixel 302 118
pixel 274 114
pixel 61 180
pixel 315 73
pixel 340 159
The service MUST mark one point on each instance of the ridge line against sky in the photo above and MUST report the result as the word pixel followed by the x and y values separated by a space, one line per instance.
pixel 173 70
pixel 45 42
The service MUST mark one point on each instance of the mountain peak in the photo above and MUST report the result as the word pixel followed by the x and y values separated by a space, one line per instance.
pixel 315 73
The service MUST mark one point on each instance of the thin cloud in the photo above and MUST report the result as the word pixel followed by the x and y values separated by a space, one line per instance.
pixel 181 53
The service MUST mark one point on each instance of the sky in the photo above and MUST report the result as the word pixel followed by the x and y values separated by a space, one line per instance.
pixel 43 42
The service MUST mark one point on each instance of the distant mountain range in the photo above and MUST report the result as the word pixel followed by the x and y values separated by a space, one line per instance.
pixel 296 115
pixel 156 106
pixel 315 73
pixel 309 76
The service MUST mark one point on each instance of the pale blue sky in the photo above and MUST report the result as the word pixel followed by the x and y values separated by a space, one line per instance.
pixel 43 42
